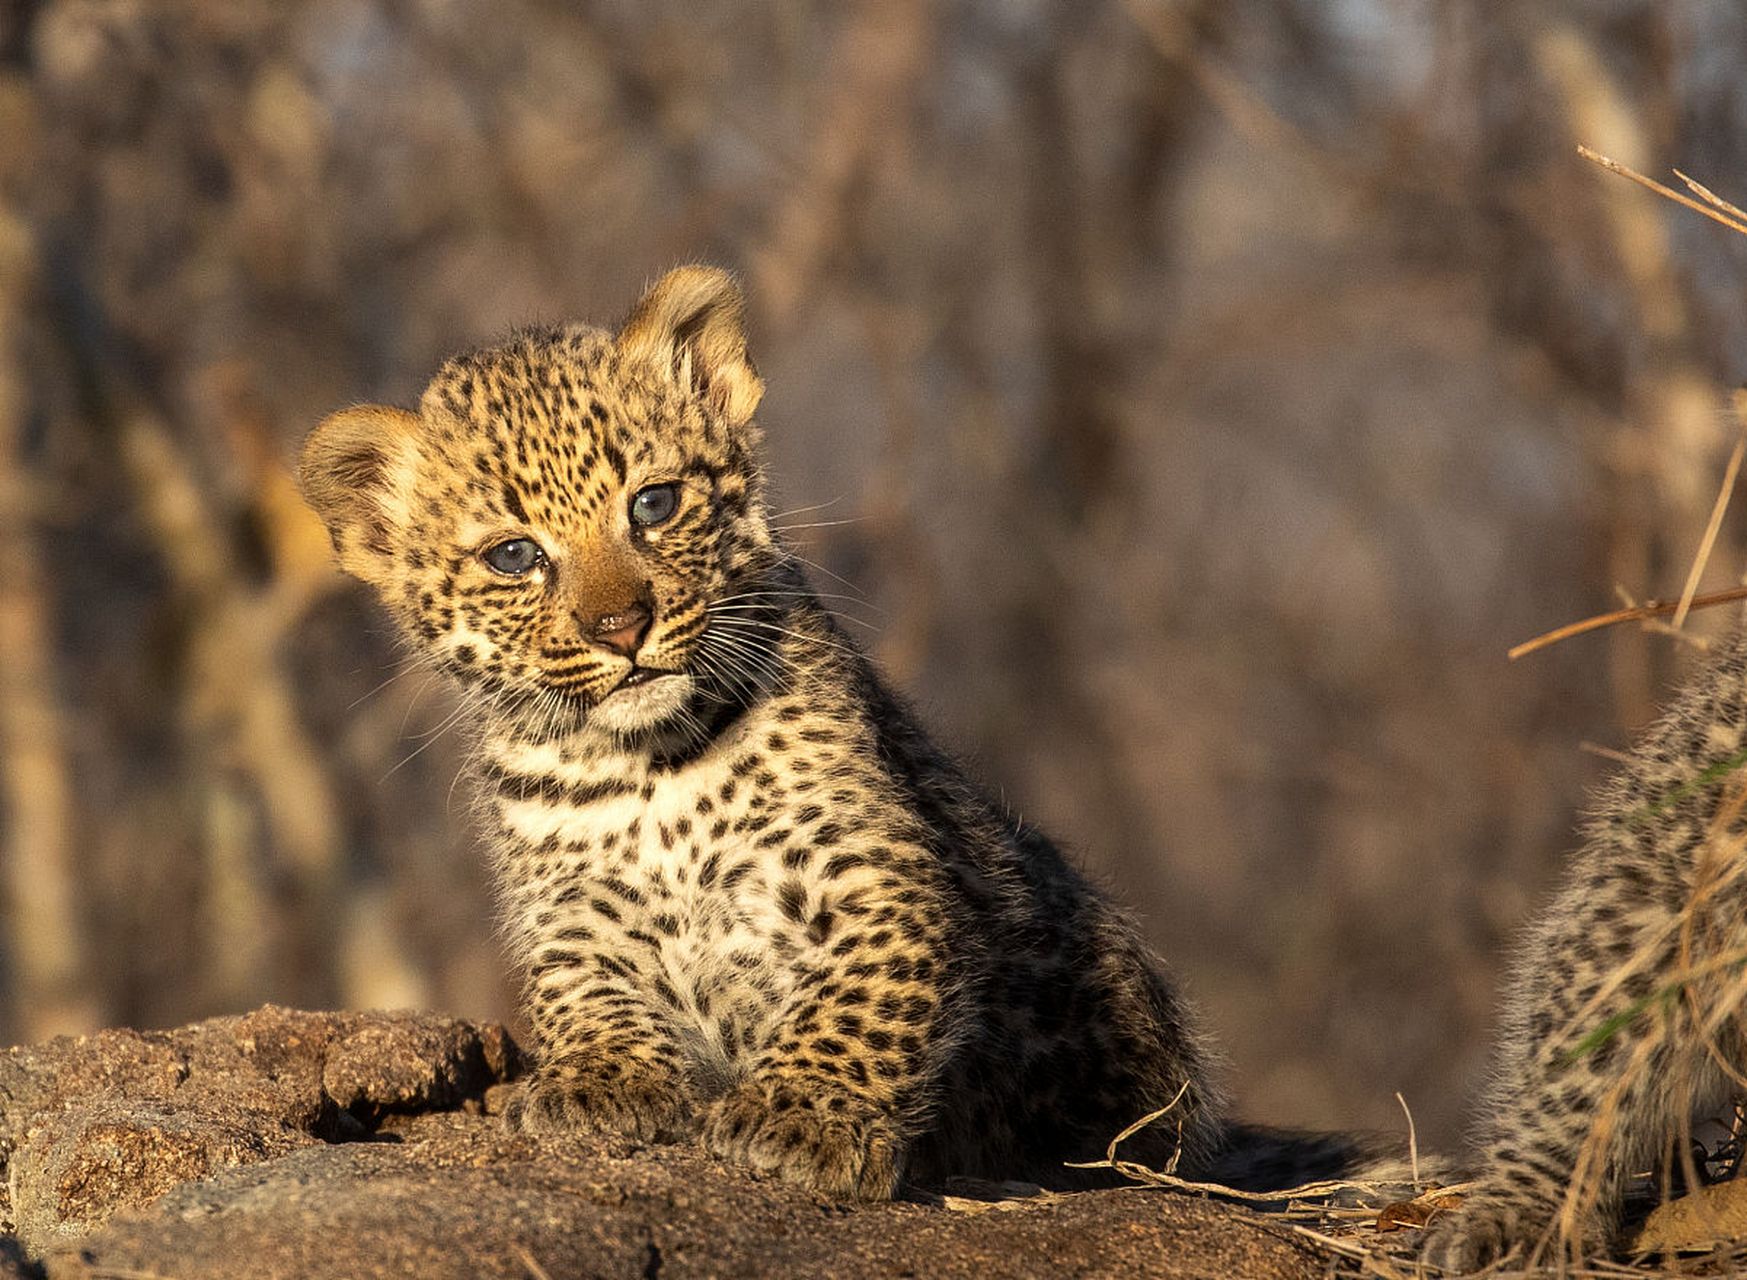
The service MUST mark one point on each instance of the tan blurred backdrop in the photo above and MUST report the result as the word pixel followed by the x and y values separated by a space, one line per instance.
pixel 1192 400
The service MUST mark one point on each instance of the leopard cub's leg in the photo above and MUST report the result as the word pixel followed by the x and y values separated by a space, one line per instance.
pixel 840 1088
pixel 609 1092
pixel 810 1132
pixel 1515 1207
pixel 606 1065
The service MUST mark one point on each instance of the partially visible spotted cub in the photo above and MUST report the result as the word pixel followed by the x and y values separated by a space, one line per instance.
pixel 753 902
pixel 1624 1017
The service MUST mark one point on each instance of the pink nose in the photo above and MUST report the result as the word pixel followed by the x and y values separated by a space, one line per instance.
pixel 621 631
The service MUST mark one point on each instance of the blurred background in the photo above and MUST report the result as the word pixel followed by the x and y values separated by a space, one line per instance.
pixel 1193 398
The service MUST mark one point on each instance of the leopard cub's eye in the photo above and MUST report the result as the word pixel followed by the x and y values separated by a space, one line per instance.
pixel 655 504
pixel 513 558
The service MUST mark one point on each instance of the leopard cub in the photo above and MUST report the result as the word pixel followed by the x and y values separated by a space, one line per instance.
pixel 1623 1019
pixel 754 904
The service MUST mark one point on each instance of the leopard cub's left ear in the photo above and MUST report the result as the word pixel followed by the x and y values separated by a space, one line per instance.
pixel 692 325
pixel 356 471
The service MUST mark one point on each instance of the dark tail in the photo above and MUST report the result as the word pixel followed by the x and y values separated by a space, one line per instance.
pixel 1257 1158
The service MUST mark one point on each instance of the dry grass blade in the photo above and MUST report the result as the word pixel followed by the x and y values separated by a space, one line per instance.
pixel 1637 613
pixel 1710 211
pixel 1344 1247
pixel 1715 523
pixel 1167 1177
pixel 1110 1161
pixel 1710 197
pixel 1412 1137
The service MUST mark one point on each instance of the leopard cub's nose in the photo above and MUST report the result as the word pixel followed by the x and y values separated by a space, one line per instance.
pixel 622 631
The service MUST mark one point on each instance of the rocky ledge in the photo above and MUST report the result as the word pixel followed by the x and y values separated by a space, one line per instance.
pixel 283 1143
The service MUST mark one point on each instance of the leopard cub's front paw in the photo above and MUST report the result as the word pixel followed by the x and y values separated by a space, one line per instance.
pixel 589 1095
pixel 814 1136
pixel 1492 1225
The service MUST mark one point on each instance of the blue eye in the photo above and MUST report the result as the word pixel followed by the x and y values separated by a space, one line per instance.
pixel 513 558
pixel 655 504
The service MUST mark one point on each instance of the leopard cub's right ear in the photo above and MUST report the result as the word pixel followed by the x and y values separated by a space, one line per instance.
pixel 357 470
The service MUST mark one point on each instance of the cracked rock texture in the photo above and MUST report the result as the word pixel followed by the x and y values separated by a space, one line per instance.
pixel 283 1143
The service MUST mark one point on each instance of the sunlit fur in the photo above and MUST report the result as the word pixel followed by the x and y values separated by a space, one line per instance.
pixel 752 902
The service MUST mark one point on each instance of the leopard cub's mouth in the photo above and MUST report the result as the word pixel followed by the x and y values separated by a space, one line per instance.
pixel 644 698
pixel 643 675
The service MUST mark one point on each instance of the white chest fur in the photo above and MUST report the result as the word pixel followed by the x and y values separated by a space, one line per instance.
pixel 663 880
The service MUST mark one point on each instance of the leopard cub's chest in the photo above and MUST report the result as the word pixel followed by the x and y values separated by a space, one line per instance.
pixel 670 881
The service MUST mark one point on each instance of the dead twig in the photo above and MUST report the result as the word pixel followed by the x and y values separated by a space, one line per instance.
pixel 1412 1137
pixel 1638 613
pixel 1709 540
pixel 1719 211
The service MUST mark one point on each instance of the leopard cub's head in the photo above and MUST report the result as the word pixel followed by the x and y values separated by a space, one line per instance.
pixel 568 520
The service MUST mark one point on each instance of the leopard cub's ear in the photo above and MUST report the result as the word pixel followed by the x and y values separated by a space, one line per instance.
pixel 692 324
pixel 356 471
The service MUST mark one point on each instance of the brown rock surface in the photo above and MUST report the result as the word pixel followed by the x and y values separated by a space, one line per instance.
pixel 92 1124
pixel 288 1144
pixel 1701 1219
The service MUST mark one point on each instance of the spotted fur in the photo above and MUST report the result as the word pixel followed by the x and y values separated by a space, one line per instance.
pixel 753 903
pixel 1622 1020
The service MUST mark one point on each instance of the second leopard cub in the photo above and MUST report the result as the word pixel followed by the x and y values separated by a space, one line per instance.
pixel 1623 1020
pixel 753 902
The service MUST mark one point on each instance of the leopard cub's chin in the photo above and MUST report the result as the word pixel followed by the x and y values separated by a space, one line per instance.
pixel 639 708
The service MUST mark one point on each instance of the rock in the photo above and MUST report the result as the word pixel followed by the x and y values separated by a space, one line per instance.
pixel 71 1173
pixel 1697 1222
pixel 463 1201
pixel 92 1124
pixel 285 1144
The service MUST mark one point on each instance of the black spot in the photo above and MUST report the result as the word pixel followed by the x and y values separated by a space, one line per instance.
pixel 841 862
